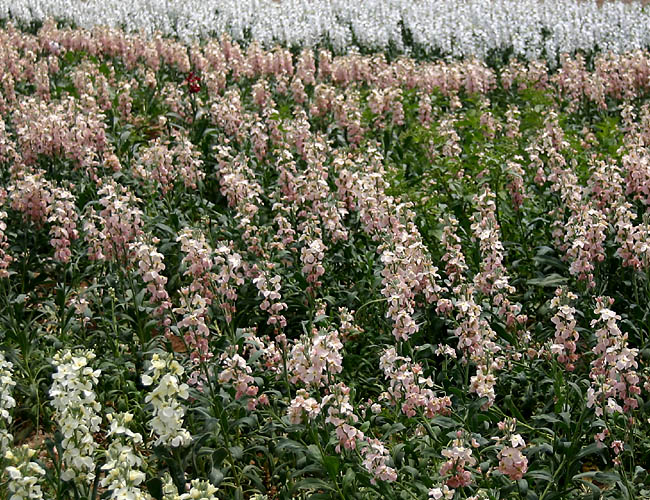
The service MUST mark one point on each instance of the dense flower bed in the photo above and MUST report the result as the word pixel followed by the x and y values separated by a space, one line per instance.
pixel 240 273
pixel 529 29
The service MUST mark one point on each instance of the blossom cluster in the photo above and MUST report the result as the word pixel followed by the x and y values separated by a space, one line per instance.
pixel 198 490
pixel 123 475
pixel 565 323
pixel 314 359
pixel 40 201
pixel 7 402
pixel 150 268
pixel 77 412
pixel 111 231
pixel 409 388
pixel 459 459
pixel 613 372
pixel 531 30
pixel 237 372
pixel 512 461
pixel 168 412
pixel 24 475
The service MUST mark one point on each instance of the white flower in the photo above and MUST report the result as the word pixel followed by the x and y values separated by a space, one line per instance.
pixel 167 421
pixel 7 402
pixel 200 490
pixel 517 441
pixel 122 461
pixel 76 413
pixel 472 28
pixel 24 475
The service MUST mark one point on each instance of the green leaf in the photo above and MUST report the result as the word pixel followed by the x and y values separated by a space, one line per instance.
pixel 216 476
pixel 592 449
pixel 523 486
pixel 595 490
pixel 501 332
pixel 513 408
pixel 551 281
pixel 332 465
pixel 314 451
pixel 154 486
pixel 540 448
pixel 407 469
pixel 237 452
pixel 312 483
pixel 398 453
pixel 600 476
pixel 444 422
pixel 398 427
pixel 166 229
pixel 348 479
pixel 540 475
pixel 248 421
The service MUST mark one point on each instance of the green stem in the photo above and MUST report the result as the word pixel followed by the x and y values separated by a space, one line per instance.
pixel 62 304
pixel 285 372
pixel 382 299
pixel 553 482
pixel 316 439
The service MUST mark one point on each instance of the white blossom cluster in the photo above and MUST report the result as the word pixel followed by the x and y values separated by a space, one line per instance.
pixel 76 412
pixel 7 402
pixel 199 490
pixel 167 421
pixel 123 475
pixel 23 474
pixel 462 28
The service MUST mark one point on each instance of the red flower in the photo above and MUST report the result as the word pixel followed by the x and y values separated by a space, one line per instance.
pixel 193 82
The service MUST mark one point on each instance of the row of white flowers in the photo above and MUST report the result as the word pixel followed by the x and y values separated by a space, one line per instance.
pixel 7 402
pixel 531 28
pixel 76 413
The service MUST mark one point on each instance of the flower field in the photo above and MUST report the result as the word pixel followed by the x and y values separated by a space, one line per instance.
pixel 494 29
pixel 237 270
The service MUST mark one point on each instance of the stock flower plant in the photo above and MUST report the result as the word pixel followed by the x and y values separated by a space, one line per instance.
pixel 314 250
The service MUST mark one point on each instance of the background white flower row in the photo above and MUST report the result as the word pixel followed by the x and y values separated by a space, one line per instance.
pixel 531 28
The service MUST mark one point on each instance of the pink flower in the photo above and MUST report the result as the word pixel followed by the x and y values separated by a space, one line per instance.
pixel 459 458
pixel 375 461
pixel 303 403
pixel 512 463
